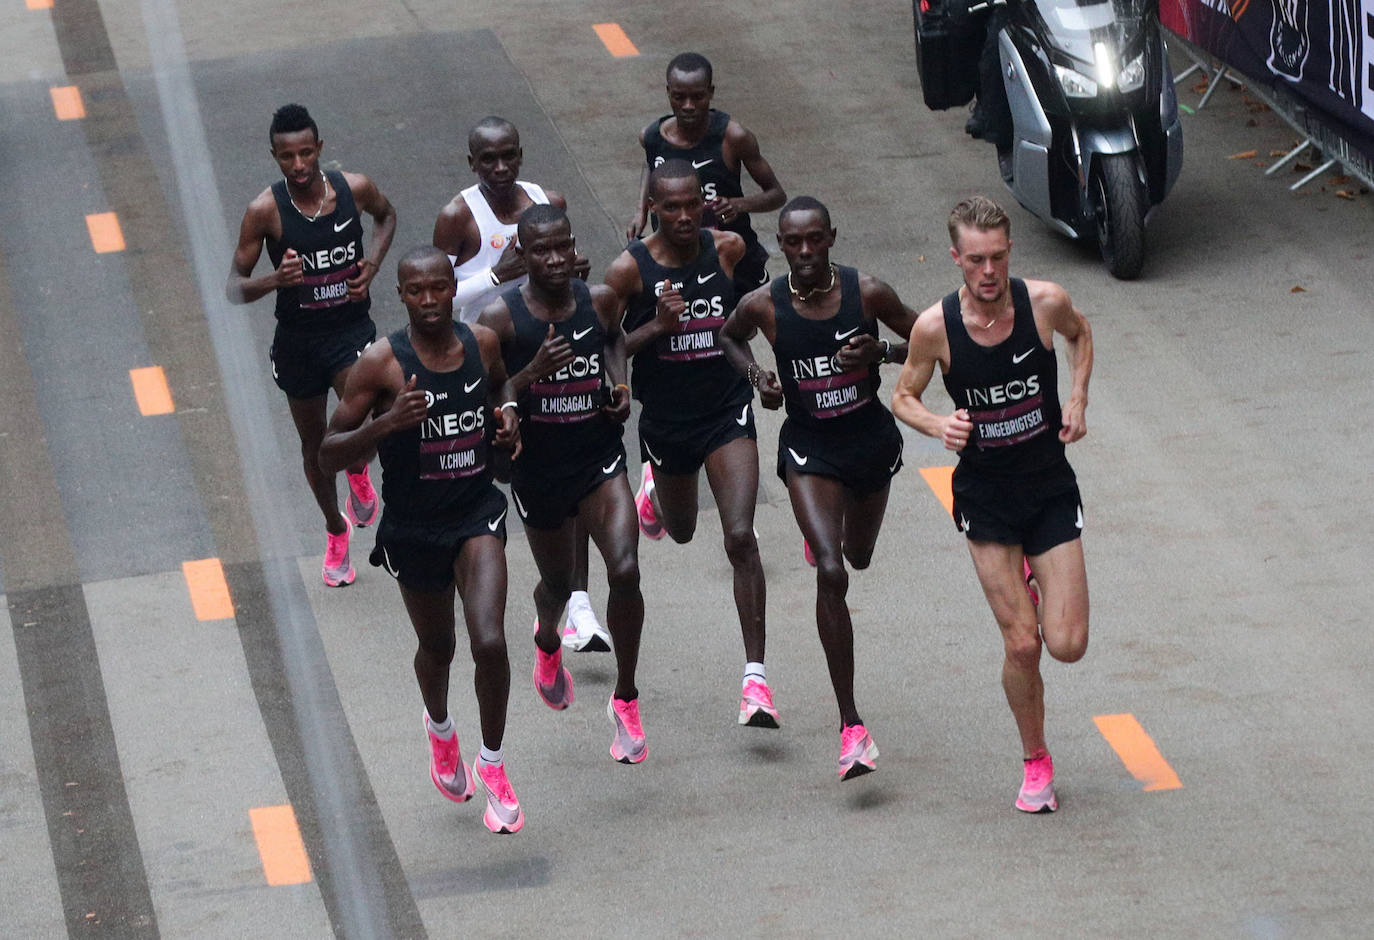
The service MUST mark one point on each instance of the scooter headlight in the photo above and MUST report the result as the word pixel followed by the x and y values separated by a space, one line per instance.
pixel 1075 84
pixel 1133 75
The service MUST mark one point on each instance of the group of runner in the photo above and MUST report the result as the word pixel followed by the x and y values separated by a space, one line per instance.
pixel 512 365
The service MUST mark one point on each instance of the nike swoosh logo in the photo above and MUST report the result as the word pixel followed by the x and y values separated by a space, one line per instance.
pixel 578 334
pixel 963 522
pixel 611 469
pixel 697 166
pixel 495 523
pixel 703 280
pixel 801 461
pixel 1079 521
pixel 653 456
pixel 468 388
pixel 893 468
pixel 519 506
pixel 841 337
pixel 386 563
pixel 343 225
pixel 743 419
pixel 1016 359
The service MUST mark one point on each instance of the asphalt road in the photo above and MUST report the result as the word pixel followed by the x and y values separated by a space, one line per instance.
pixel 259 770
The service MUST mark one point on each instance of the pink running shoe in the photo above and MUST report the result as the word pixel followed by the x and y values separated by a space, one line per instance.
pixel 858 752
pixel 446 767
pixel 756 705
pixel 628 745
pixel 362 504
pixel 338 570
pixel 807 554
pixel 1026 572
pixel 644 504
pixel 552 680
pixel 503 814
pixel 1037 789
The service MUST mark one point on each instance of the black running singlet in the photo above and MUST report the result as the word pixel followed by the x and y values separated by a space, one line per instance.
pixel 684 375
pixel 708 158
pixel 1011 392
pixel 436 471
pixel 330 248
pixel 813 392
pixel 561 421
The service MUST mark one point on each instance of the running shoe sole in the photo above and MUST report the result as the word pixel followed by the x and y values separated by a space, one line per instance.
pixel 493 816
pixel 759 719
pixel 1037 802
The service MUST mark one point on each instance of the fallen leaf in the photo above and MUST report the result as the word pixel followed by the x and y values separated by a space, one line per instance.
pixel 1302 168
pixel 1278 153
pixel 1243 155
pixel 1298 289
pixel 920 257
pixel 1339 180
pixel 1345 194
pixel 1200 87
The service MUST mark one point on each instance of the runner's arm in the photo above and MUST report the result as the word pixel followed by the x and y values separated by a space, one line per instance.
pixel 616 362
pixel 745 147
pixel 882 303
pixel 641 217
pixel 927 346
pixel 1069 322
pixel 242 287
pixel 622 277
pixel 370 199
pixel 350 437
pixel 507 420
pixel 752 314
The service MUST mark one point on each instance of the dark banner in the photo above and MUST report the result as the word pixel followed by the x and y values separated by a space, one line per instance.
pixel 1317 52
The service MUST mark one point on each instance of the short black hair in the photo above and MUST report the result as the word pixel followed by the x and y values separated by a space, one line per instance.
pixel 674 169
pixel 537 215
pixel 290 118
pixel 805 204
pixel 689 63
pixel 490 123
pixel 418 255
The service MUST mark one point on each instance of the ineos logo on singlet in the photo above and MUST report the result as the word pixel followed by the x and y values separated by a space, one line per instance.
pixel 818 367
pixel 453 424
pixel 1015 390
pixel 329 257
pixel 580 368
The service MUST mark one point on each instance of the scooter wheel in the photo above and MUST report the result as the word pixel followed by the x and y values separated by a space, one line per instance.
pixel 1119 206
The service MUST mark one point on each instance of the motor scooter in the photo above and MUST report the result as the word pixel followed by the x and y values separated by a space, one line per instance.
pixel 1097 142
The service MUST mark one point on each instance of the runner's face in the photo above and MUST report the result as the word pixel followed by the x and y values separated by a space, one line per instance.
pixel 689 95
pixel 298 157
pixel 984 255
pixel 805 242
pixel 678 205
pixel 549 255
pixel 496 159
pixel 426 288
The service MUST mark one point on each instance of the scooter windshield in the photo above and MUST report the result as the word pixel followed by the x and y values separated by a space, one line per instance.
pixel 1076 26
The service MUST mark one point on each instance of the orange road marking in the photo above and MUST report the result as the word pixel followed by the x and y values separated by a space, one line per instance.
pixel 209 591
pixel 939 479
pixel 151 391
pixel 106 235
pixel 38 4
pixel 615 40
pixel 284 861
pixel 66 101
pixel 1138 752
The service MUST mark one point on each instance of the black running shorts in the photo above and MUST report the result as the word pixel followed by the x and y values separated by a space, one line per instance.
pixel 304 364
pixel 681 448
pixel 420 555
pixel 546 501
pixel 1037 512
pixel 864 462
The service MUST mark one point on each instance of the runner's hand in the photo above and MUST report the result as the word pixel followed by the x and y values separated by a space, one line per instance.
pixel 636 226
pixel 508 431
pixel 770 390
pixel 617 407
pixel 554 353
pixel 670 308
pixel 510 265
pixel 357 286
pixel 858 353
pixel 957 429
pixel 1074 421
pixel 582 266
pixel 409 408
pixel 290 272
pixel 724 208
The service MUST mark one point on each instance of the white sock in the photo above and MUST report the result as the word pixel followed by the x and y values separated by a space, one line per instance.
pixel 444 730
pixel 579 599
pixel 755 672
pixel 493 757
